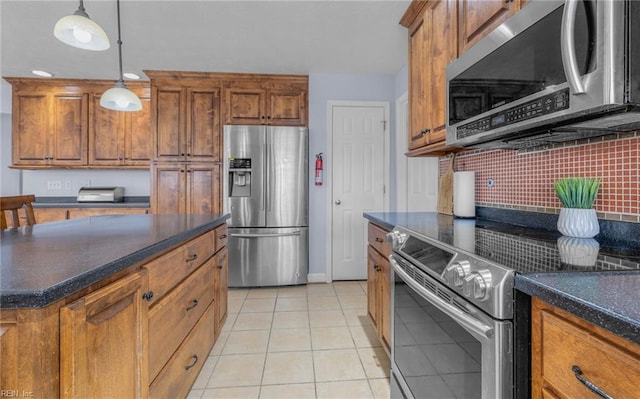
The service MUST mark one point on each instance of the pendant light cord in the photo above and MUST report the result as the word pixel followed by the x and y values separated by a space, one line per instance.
pixel 119 42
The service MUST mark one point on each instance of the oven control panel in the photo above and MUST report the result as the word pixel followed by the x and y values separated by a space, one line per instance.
pixel 484 283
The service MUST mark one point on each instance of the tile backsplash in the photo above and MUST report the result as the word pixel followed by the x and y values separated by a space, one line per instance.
pixel 524 181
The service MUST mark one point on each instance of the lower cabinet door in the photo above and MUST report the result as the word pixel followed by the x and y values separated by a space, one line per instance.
pixel 171 319
pixel 221 282
pixel 103 336
pixel 177 376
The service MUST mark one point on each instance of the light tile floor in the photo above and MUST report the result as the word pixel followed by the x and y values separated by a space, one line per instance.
pixel 301 342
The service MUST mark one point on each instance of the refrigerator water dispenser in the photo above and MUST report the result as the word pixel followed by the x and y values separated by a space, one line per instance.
pixel 240 177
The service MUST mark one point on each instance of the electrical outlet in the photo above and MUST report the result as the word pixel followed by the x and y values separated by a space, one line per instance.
pixel 67 184
pixel 54 185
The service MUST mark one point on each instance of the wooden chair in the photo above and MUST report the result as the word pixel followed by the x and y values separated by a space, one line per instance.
pixel 12 205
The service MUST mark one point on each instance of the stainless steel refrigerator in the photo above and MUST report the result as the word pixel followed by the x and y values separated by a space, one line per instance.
pixel 266 192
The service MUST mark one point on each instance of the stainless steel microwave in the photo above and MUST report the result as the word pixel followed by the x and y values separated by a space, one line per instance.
pixel 555 71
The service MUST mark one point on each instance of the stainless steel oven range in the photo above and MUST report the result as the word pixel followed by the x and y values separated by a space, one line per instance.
pixel 452 321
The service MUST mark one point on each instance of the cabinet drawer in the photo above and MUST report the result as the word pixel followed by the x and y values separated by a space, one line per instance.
pixel 612 368
pixel 176 378
pixel 168 270
pixel 171 319
pixel 221 237
pixel 377 239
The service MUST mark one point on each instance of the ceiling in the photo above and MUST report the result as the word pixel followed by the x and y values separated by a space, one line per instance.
pixel 296 37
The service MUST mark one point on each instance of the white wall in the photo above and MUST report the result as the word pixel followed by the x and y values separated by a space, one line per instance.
pixel 9 178
pixel 338 87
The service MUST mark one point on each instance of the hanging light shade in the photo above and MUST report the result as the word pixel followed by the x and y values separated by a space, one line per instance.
pixel 78 30
pixel 119 97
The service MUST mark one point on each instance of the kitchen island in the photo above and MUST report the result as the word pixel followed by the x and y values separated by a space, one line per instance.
pixel 111 306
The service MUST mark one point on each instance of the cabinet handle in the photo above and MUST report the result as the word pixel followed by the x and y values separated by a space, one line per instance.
pixel 194 303
pixel 194 360
pixel 147 295
pixel 192 258
pixel 592 387
pixel 181 170
pixel 378 239
pixel 220 266
pixel 188 170
pixel 182 154
pixel 188 154
pixel 222 237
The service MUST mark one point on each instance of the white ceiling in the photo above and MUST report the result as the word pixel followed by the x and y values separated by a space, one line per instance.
pixel 296 36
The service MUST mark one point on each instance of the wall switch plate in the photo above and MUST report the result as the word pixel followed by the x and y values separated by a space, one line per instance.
pixel 54 185
pixel 67 184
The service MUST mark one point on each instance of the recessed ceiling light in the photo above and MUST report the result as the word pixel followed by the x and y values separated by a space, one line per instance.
pixel 44 74
pixel 130 75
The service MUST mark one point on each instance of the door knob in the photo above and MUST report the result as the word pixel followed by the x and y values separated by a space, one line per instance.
pixel 338 202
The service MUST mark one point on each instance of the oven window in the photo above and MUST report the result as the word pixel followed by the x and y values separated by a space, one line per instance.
pixel 425 254
pixel 435 356
pixel 524 65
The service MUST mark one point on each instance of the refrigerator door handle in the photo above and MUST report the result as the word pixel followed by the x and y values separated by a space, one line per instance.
pixel 253 235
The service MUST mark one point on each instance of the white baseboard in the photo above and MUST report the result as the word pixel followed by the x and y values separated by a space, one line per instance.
pixel 317 277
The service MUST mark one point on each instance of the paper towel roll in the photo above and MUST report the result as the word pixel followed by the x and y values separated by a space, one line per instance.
pixel 464 194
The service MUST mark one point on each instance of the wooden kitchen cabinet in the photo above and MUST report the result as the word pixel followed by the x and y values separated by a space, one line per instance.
pixel 49 126
pixel 85 212
pixel 266 101
pixel 136 334
pixel 221 281
pixel 478 18
pixel 379 284
pixel 561 341
pixel 433 41
pixel 186 120
pixel 103 339
pixel 58 123
pixel 120 139
pixel 186 188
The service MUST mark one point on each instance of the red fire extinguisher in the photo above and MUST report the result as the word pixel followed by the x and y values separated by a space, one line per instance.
pixel 319 169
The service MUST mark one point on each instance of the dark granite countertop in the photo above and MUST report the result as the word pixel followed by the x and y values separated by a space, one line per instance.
pixel 609 300
pixel 71 202
pixel 47 262
pixel 607 294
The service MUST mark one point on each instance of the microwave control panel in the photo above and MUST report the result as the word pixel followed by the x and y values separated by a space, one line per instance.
pixel 548 104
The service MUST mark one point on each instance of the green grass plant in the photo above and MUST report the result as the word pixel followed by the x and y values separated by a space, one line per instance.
pixel 577 192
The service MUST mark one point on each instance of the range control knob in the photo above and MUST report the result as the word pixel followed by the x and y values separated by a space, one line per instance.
pixel 477 285
pixel 456 272
pixel 396 238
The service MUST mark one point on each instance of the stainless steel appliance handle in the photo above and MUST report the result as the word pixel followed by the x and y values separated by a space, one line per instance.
pixel 568 49
pixel 459 316
pixel 254 235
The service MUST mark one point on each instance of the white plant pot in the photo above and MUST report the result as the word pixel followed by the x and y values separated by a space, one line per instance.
pixel 578 251
pixel 580 223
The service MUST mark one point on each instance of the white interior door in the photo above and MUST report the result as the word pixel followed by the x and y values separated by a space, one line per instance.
pixel 357 182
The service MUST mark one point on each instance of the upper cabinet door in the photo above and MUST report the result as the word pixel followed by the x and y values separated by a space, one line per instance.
pixel 169 124
pixel 31 128
pixel 432 45
pixel 187 124
pixel 245 106
pixel 105 135
pixel 137 137
pixel 287 107
pixel 478 18
pixel 69 141
pixel 266 101
pixel 203 125
pixel 49 128
pixel 419 80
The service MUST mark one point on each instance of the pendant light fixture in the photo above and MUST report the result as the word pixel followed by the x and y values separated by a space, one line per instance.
pixel 78 30
pixel 120 98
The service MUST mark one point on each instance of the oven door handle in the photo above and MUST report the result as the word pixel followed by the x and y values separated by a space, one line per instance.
pixel 473 325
